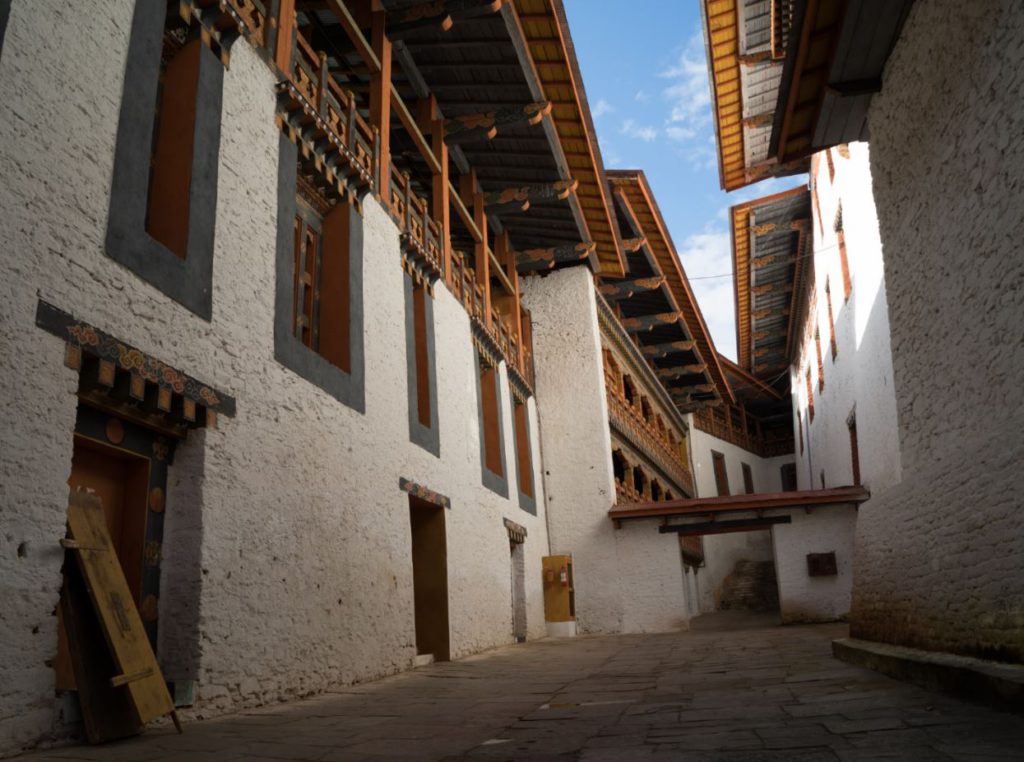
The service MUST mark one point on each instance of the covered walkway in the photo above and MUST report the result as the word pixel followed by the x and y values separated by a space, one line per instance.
pixel 735 687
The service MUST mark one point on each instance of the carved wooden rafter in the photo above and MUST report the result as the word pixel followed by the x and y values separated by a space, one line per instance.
pixel 437 16
pixel 657 351
pixel 647 322
pixel 485 125
pixel 627 288
pixel 535 260
pixel 519 199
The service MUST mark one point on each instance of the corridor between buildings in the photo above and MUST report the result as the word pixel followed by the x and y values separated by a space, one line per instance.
pixel 736 687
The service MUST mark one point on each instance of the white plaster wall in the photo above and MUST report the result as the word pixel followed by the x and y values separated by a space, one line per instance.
pixel 940 561
pixel 287 564
pixel 723 551
pixel 861 375
pixel 654 594
pixel 803 598
pixel 576 441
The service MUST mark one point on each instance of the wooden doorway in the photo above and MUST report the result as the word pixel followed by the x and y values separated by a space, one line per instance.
pixel 430 578
pixel 125 465
pixel 120 479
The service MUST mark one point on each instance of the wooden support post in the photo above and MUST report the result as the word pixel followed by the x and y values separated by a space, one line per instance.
pixel 473 198
pixel 285 33
pixel 431 124
pixel 380 101
pixel 507 257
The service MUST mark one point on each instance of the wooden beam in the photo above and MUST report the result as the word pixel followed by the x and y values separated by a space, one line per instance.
pixel 471 195
pixel 355 34
pixel 632 245
pixel 438 16
pixel 380 101
pixel 627 288
pixel 647 322
pixel 519 199
pixel 535 260
pixel 485 125
pixel 657 351
pixel 285 35
pixel 699 528
pixel 708 506
pixel 671 374
pixel 440 186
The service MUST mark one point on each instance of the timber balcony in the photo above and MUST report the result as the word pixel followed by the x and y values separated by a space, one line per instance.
pixel 731 424
pixel 647 436
pixel 357 137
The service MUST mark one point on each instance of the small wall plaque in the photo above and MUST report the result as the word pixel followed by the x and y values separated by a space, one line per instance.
pixel 821 564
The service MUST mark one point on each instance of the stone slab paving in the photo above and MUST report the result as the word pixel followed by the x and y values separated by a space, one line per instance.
pixel 733 688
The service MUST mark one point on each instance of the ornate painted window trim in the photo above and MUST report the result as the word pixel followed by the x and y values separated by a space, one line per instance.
pixel 187 281
pixel 423 493
pixel 347 388
pixel 148 379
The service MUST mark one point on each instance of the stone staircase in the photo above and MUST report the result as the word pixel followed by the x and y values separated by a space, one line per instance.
pixel 750 587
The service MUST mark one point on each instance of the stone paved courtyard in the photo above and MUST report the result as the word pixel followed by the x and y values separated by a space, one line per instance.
pixel 734 688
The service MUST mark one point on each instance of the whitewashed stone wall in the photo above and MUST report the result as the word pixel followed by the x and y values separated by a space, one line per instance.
pixel 861 376
pixel 940 559
pixel 723 551
pixel 628 579
pixel 287 563
pixel 803 598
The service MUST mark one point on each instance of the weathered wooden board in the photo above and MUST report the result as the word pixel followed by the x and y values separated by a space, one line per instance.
pixel 132 655
pixel 107 711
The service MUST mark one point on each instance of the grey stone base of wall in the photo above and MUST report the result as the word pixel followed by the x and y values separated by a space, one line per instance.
pixel 994 683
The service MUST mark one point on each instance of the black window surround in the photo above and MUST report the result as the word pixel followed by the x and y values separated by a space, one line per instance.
pixel 427 437
pixel 187 281
pixel 347 388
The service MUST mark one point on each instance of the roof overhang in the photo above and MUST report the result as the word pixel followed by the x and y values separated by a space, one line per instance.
pixel 834 62
pixel 744 44
pixel 634 194
pixel 770 236
pixel 545 30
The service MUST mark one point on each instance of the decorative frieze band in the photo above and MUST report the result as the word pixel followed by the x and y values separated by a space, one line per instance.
pixel 174 389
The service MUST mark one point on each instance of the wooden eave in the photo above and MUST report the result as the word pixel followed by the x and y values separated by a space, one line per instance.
pixel 836 54
pixel 741 251
pixel 751 380
pixel 722 20
pixel 637 193
pixel 712 506
pixel 547 32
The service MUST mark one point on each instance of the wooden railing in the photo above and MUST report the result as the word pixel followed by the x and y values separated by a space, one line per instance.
pixel 336 106
pixel 422 235
pixel 658 448
pixel 253 15
pixel 721 426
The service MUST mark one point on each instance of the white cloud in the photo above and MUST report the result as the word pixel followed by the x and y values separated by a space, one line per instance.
pixel 688 93
pixel 680 134
pixel 641 132
pixel 642 96
pixel 710 253
pixel 601 107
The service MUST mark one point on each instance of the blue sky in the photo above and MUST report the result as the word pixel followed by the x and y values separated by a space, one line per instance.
pixel 645 73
